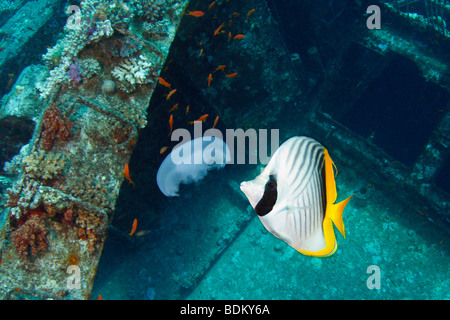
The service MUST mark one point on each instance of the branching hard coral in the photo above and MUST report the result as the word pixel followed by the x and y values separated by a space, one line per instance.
pixel 31 237
pixel 43 165
pixel 54 125
pixel 135 114
pixel 132 72
pixel 89 68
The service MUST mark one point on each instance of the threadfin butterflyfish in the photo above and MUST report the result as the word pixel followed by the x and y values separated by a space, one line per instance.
pixel 294 197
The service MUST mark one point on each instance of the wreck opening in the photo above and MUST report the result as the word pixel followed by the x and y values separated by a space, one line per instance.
pixel 398 111
pixel 16 132
pixel 443 176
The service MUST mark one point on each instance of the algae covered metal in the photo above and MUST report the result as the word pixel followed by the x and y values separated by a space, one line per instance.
pixel 89 103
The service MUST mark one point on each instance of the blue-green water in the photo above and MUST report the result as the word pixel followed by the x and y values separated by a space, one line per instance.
pixel 184 255
pixel 297 59
pixel 412 254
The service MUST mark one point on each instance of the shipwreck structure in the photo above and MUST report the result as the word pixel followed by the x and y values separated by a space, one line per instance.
pixel 89 102
pixel 71 124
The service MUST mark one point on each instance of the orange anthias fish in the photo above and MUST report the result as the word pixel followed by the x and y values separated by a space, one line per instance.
pixel 133 228
pixel 211 5
pixel 196 14
pixel 209 79
pixel 163 149
pixel 164 82
pixel 201 52
pixel 218 29
pixel 187 110
pixel 171 123
pixel 174 107
pixel 142 233
pixel 239 36
pixel 231 75
pixel 220 68
pixel 171 94
pixel 215 122
pixel 126 174
pixel 250 12
pixel 202 118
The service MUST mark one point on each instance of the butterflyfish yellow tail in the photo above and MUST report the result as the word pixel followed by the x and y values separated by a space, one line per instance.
pixel 333 211
pixel 335 214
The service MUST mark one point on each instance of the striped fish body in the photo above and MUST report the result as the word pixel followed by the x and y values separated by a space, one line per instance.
pixel 291 200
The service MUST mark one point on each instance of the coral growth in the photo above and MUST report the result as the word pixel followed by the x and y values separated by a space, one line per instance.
pixel 13 199
pixel 135 114
pixel 31 237
pixel 89 68
pixel 22 198
pixel 92 190
pixel 61 56
pixel 132 72
pixel 53 125
pixel 123 47
pixel 43 165
pixel 73 259
pixel 67 217
pixel 89 224
pixel 108 86
pixel 74 73
pixel 82 69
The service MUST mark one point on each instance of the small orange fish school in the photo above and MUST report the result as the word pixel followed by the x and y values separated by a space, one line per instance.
pixel 226 27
